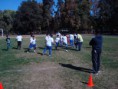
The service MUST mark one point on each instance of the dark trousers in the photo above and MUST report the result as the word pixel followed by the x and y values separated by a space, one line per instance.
pixel 8 46
pixel 96 60
pixel 79 46
pixel 19 44
pixel 57 44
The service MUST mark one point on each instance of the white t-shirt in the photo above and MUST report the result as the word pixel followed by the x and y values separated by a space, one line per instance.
pixel 57 39
pixel 71 37
pixel 33 41
pixel 19 38
pixel 65 39
pixel 49 40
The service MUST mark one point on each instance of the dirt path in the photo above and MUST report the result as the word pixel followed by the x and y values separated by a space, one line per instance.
pixel 42 76
pixel 51 75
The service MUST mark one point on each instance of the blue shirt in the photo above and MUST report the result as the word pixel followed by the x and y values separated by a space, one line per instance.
pixel 96 42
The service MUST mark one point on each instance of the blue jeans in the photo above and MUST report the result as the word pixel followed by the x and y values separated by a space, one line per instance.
pixel 79 46
pixel 57 44
pixel 66 45
pixel 8 46
pixel 48 48
pixel 71 42
pixel 32 46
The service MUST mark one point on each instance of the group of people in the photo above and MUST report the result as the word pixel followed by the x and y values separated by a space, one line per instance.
pixel 73 40
pixel 19 41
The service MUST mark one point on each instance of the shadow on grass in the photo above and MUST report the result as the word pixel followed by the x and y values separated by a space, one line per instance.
pixel 25 49
pixel 4 49
pixel 44 48
pixel 40 53
pixel 94 87
pixel 76 68
pixel 14 48
pixel 41 47
pixel 88 47
pixel 84 82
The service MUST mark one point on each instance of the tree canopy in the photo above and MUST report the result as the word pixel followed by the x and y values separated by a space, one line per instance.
pixel 73 15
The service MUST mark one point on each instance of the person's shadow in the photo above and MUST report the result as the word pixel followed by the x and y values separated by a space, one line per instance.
pixel 40 53
pixel 4 49
pixel 14 48
pixel 41 48
pixel 76 68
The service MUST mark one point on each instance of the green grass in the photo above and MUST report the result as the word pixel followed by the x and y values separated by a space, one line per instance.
pixel 14 60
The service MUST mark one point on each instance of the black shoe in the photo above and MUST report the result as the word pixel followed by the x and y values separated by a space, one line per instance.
pixel 94 72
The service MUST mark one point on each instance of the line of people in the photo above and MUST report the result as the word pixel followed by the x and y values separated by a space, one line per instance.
pixel 71 40
pixel 75 40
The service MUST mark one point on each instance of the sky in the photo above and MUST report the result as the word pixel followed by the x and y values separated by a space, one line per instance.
pixel 14 4
pixel 11 4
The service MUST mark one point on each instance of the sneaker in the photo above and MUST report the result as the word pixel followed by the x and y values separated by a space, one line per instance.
pixel 49 55
pixel 96 73
pixel 99 71
pixel 66 50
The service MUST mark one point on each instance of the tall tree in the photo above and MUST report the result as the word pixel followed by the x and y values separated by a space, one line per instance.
pixel 106 19
pixel 28 17
pixel 6 20
pixel 47 13
pixel 74 14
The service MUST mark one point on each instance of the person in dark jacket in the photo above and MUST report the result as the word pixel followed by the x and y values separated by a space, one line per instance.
pixel 96 44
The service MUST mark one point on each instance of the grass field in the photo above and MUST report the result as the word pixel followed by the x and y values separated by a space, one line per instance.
pixel 64 70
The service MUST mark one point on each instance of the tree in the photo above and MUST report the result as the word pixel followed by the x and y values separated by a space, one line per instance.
pixel 106 19
pixel 6 20
pixel 47 14
pixel 73 14
pixel 28 17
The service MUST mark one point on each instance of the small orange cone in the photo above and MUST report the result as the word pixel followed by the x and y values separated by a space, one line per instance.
pixel 90 81
pixel 1 87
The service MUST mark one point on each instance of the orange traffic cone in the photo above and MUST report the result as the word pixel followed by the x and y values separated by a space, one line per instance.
pixel 1 87
pixel 90 81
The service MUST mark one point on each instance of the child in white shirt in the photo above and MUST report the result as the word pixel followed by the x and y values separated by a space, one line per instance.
pixel 49 41
pixel 32 43
pixel 65 42
pixel 19 41
pixel 57 41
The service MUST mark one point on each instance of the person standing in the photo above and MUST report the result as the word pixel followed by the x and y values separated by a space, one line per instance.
pixel 80 39
pixel 61 40
pixel 19 41
pixel 71 40
pixel 57 41
pixel 75 40
pixel 96 44
pixel 8 42
pixel 49 41
pixel 65 42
